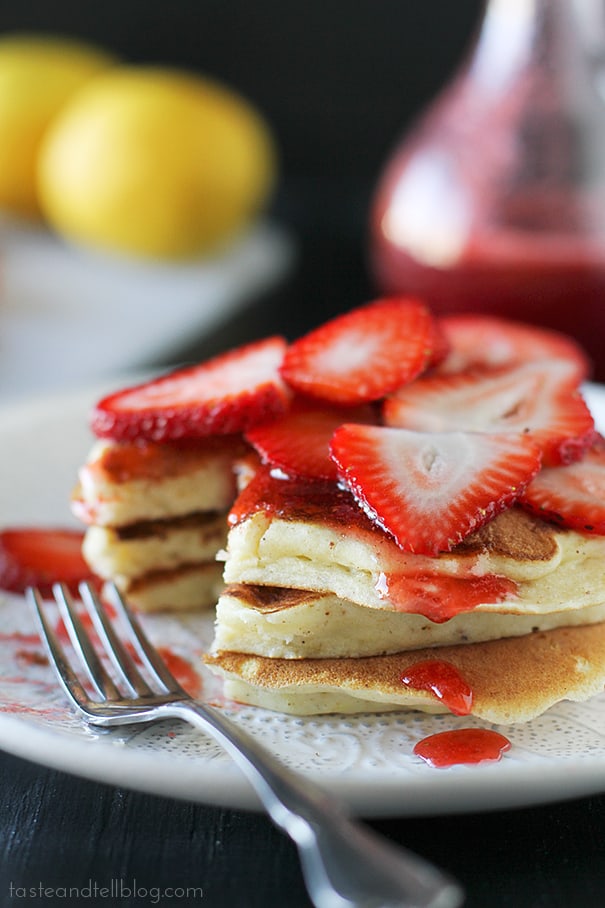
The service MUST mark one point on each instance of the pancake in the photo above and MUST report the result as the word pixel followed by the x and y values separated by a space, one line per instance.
pixel 156 516
pixel 123 483
pixel 312 536
pixel 322 611
pixel 512 680
pixel 298 624
pixel 187 588
pixel 134 550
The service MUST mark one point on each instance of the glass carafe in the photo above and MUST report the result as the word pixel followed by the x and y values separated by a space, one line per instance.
pixel 495 201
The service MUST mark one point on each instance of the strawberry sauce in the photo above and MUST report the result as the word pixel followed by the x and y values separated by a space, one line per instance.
pixel 444 681
pixel 439 597
pixel 182 670
pixel 320 501
pixel 462 746
pixel 30 657
pixel 152 461
pixel 17 637
pixel 436 596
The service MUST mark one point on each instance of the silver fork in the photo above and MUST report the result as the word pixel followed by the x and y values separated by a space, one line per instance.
pixel 345 865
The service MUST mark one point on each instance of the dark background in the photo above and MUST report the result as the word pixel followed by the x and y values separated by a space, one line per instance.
pixel 338 81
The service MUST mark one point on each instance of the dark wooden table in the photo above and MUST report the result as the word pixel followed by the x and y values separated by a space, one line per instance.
pixel 59 832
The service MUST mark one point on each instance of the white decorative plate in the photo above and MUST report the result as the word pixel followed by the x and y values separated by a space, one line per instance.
pixel 368 759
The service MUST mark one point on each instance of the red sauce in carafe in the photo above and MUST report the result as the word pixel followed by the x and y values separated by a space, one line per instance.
pixel 522 276
pixel 444 681
pixel 462 746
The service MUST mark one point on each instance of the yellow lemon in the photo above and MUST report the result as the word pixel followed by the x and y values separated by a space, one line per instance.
pixel 155 162
pixel 37 76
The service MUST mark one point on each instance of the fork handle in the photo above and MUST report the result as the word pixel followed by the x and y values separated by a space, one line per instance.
pixel 344 863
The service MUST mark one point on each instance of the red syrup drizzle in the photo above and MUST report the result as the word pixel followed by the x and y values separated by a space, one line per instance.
pixel 439 597
pixel 86 621
pixel 182 670
pixel 462 746
pixel 317 500
pixel 444 681
pixel 142 459
pixel 31 657
pixel 411 589
pixel 17 637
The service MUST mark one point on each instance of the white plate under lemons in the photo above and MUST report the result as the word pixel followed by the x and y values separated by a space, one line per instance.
pixel 69 316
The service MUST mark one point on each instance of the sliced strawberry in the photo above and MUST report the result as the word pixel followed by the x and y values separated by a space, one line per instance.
pixel 440 346
pixel 430 490
pixel 539 398
pixel 227 394
pixel 41 557
pixel 298 443
pixel 571 496
pixel 484 340
pixel 363 355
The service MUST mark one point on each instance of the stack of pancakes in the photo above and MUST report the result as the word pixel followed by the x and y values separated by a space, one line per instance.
pixel 156 518
pixel 320 609
pixel 323 612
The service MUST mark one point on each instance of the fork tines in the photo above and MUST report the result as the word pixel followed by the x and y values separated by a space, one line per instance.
pixel 127 681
